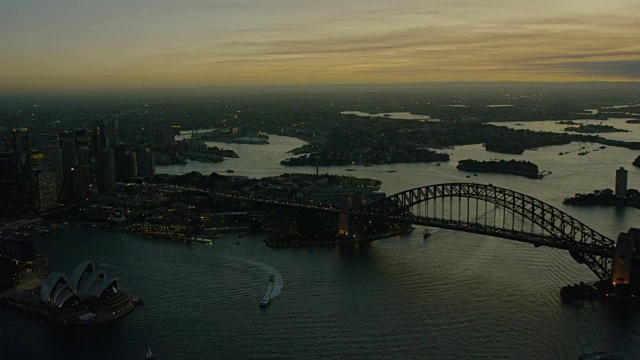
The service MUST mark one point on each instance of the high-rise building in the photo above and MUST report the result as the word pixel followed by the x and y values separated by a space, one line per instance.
pixel 146 163
pixel 132 164
pixel 621 182
pixel 75 186
pixel 106 170
pixel 69 164
pixel 46 195
pixel 84 163
pixel 49 145
pixel 36 162
pixel 20 145
pixel 107 133
pixel 10 189
pixel 126 164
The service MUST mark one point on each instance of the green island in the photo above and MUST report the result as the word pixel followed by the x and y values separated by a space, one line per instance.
pixel 605 197
pixel 513 167
pixel 636 162
pixel 594 129
pixel 567 122
pixel 633 121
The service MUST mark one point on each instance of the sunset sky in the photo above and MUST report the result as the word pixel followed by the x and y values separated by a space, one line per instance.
pixel 90 44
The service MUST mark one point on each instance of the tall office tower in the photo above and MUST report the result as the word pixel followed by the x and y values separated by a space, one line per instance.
pixel 84 163
pixel 46 195
pixel 74 185
pixel 107 133
pixel 69 154
pixel 36 162
pixel 126 165
pixel 49 145
pixel 132 164
pixel 621 182
pixel 29 179
pixel 10 189
pixel 69 164
pixel 106 170
pixel 20 145
pixel 146 163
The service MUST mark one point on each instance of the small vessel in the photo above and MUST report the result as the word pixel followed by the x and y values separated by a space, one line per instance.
pixel 264 302
pixel 426 234
pixel 150 354
pixel 391 171
pixel 231 171
pixel 270 277
pixel 438 164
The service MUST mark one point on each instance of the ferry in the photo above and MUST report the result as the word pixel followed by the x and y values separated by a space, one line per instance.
pixel 264 302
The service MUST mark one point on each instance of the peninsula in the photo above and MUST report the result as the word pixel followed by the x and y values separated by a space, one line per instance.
pixel 605 197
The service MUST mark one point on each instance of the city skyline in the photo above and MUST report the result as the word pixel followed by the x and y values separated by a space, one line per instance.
pixel 168 44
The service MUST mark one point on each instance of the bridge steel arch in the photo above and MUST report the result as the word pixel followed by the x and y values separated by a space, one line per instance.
pixel 561 230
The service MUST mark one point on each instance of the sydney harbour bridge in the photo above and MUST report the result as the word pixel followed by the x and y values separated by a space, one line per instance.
pixel 482 209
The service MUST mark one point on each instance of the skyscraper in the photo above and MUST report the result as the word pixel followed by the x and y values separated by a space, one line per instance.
pixel 621 182
pixel 46 194
pixel 10 190
pixel 84 164
pixel 126 164
pixel 49 145
pixel 19 144
pixel 69 164
pixel 106 170
pixel 107 133
pixel 146 163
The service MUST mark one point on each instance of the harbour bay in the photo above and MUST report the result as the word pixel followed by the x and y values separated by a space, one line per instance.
pixel 455 295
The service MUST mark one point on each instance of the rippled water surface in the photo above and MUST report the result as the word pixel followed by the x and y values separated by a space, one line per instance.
pixel 453 296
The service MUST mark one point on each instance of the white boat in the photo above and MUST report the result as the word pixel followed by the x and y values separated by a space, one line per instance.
pixel 265 300
pixel 150 354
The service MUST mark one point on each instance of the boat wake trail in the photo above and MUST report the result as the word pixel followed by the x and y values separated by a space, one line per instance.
pixel 275 287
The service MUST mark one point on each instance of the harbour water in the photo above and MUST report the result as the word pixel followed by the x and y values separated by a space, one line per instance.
pixel 453 296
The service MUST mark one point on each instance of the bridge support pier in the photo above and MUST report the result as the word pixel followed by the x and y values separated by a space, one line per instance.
pixel 343 216
pixel 626 266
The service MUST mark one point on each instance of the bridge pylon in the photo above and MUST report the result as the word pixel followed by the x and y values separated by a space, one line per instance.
pixel 343 216
pixel 626 265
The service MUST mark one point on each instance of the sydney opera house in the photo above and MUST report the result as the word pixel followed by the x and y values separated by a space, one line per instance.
pixel 85 281
pixel 88 295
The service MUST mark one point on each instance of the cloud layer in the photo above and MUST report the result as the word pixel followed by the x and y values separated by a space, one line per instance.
pixel 167 43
